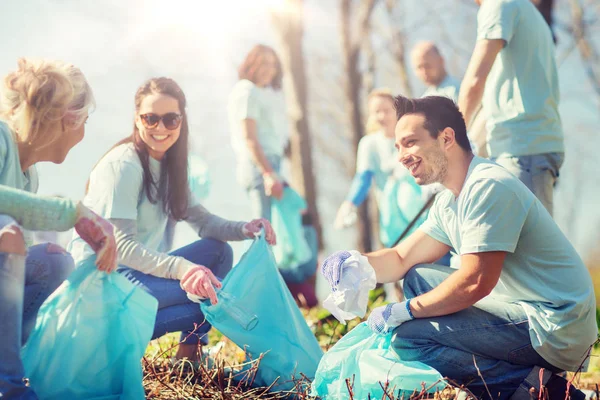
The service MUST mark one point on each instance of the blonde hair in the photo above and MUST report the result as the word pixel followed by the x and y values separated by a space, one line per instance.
pixel 39 94
pixel 372 125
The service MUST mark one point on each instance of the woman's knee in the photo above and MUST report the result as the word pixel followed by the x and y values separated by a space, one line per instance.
pixel 58 262
pixel 11 236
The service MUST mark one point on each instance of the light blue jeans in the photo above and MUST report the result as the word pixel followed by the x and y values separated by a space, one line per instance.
pixel 177 313
pixel 251 179
pixel 492 334
pixel 25 282
pixel 539 172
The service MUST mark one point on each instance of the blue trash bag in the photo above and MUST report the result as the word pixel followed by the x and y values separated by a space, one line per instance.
pixel 257 312
pixel 198 177
pixel 368 360
pixel 292 249
pixel 400 201
pixel 89 338
pixel 304 271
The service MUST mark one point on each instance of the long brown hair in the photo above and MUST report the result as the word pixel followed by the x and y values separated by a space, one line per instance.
pixel 172 188
pixel 253 62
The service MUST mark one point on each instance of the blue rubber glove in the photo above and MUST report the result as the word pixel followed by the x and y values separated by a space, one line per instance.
pixel 385 319
pixel 332 267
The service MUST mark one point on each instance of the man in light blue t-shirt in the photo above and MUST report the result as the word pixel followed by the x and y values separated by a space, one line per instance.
pixel 520 307
pixel 430 68
pixel 513 75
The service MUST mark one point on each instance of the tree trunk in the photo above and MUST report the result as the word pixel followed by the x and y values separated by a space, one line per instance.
pixel 289 26
pixel 353 100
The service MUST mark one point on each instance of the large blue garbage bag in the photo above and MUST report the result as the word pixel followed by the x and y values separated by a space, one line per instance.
pixel 292 249
pixel 89 338
pixel 257 312
pixel 400 201
pixel 367 360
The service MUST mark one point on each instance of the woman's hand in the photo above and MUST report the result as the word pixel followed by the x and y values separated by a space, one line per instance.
pixel 273 185
pixel 253 227
pixel 200 281
pixel 99 234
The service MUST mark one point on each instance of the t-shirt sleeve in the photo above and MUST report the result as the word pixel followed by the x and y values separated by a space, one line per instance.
pixel 493 218
pixel 115 189
pixel 497 20
pixel 365 156
pixel 433 225
pixel 246 103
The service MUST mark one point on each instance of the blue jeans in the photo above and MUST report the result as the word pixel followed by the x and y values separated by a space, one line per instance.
pixel 177 313
pixel 251 179
pixel 25 282
pixel 491 333
pixel 539 172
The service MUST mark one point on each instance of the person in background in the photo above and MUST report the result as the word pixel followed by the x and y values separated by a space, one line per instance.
pixel 256 136
pixel 513 75
pixel 141 186
pixel 376 162
pixel 45 105
pixel 430 68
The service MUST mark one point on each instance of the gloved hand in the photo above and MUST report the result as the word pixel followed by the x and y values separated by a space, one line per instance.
pixel 346 215
pixel 99 234
pixel 201 282
pixel 253 227
pixel 384 319
pixel 332 267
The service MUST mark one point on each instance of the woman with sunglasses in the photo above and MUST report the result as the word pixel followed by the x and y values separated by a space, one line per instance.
pixel 141 186
pixel 256 138
pixel 45 105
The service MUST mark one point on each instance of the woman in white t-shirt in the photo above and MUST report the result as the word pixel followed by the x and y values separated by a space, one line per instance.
pixel 141 186
pixel 256 132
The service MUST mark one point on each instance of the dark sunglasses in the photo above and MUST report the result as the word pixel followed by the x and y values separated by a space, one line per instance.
pixel 170 120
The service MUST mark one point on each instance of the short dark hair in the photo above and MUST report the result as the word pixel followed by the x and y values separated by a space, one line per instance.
pixel 439 112
pixel 253 61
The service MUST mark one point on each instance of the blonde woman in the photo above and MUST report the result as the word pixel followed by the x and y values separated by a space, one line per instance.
pixel 44 107
pixel 377 162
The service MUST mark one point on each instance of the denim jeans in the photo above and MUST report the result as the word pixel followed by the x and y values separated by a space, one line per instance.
pixel 492 334
pixel 177 313
pixel 538 172
pixel 25 282
pixel 251 179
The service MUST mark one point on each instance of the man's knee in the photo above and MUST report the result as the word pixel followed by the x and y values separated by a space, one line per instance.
pixel 11 237
pixel 424 277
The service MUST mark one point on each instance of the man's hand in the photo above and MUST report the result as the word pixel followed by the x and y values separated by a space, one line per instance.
pixel 384 319
pixel 253 227
pixel 99 234
pixel 332 267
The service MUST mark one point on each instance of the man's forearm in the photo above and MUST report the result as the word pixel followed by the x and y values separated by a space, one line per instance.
pixel 469 99
pixel 387 264
pixel 457 292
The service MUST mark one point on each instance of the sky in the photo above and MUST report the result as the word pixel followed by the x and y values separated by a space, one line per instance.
pixel 120 44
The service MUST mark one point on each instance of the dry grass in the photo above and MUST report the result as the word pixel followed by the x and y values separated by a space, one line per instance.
pixel 223 379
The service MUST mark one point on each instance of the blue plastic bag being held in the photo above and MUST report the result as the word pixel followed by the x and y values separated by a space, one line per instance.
pixel 89 338
pixel 367 359
pixel 257 312
pixel 294 256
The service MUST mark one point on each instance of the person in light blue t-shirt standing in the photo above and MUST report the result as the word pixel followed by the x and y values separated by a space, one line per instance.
pixel 520 308
pixel 513 74
pixel 257 135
